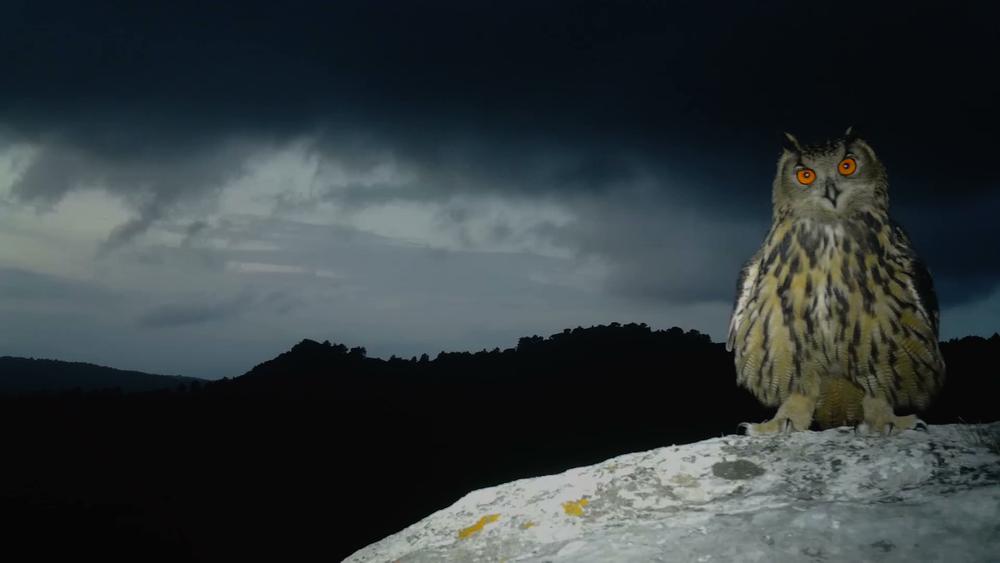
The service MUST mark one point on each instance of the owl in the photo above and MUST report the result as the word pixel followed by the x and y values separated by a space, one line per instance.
pixel 836 319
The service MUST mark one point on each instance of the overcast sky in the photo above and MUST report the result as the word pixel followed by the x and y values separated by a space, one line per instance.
pixel 193 188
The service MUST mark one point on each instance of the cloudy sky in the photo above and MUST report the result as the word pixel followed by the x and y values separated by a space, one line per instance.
pixel 193 188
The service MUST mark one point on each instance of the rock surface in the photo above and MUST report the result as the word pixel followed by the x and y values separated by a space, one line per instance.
pixel 808 496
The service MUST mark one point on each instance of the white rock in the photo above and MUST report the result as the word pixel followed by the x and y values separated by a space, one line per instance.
pixel 808 496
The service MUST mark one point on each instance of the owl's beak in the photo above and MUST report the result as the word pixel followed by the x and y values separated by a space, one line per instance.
pixel 831 192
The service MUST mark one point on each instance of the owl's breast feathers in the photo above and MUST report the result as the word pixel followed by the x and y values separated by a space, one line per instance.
pixel 837 300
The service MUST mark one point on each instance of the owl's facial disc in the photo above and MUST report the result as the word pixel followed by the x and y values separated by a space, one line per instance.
pixel 830 181
pixel 825 178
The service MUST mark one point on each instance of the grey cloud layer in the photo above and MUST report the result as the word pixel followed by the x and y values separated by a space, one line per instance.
pixel 669 231
pixel 195 311
pixel 152 183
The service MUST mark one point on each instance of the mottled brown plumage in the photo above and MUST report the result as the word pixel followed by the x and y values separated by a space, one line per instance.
pixel 835 318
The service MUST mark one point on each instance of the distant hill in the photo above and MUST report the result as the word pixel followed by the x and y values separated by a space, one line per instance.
pixel 29 375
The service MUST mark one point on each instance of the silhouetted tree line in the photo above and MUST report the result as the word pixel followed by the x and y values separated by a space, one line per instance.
pixel 322 450
pixel 684 376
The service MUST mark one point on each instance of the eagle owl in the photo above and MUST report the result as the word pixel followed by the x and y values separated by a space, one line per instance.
pixel 836 319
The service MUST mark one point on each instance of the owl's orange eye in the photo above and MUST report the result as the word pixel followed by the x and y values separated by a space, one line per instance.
pixel 847 166
pixel 805 176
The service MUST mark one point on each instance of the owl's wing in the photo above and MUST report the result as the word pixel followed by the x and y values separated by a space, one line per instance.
pixel 921 284
pixel 744 290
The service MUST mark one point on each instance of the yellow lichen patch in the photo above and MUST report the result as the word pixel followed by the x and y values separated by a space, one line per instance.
pixel 528 524
pixel 575 507
pixel 478 526
pixel 684 480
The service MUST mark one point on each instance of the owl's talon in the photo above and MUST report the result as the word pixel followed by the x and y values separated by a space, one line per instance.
pixel 879 415
pixel 794 414
pixel 744 427
pixel 786 426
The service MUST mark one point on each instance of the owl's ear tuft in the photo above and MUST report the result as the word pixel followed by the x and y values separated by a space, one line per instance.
pixel 791 143
pixel 851 134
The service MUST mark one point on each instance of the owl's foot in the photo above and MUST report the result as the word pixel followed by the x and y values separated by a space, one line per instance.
pixel 773 426
pixel 880 419
pixel 795 414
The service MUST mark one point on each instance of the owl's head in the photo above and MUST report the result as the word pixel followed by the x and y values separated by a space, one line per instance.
pixel 829 181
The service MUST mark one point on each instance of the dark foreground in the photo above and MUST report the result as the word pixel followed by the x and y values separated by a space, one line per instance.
pixel 326 452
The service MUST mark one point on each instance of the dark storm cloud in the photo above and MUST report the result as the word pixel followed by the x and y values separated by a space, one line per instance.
pixel 575 101
pixel 663 74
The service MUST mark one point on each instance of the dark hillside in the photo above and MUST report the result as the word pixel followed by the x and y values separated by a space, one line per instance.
pixel 29 375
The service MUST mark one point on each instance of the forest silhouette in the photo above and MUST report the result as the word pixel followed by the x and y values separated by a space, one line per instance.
pixel 322 450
